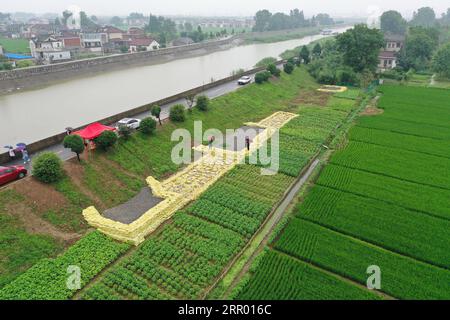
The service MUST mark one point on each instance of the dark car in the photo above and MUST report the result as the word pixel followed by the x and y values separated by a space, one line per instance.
pixel 8 174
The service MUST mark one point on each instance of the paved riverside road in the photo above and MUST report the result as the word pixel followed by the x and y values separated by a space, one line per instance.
pixel 66 154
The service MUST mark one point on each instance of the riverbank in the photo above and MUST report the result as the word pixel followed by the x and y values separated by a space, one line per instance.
pixel 41 76
pixel 32 115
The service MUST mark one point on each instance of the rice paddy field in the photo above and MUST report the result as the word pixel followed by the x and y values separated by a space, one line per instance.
pixel 383 200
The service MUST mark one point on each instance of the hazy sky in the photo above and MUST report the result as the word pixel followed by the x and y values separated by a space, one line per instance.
pixel 223 7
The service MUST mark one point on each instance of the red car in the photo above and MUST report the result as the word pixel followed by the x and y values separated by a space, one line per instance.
pixel 8 174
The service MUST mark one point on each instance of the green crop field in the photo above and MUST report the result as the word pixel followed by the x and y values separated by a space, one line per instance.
pixel 383 201
pixel 15 45
pixel 280 277
pixel 401 277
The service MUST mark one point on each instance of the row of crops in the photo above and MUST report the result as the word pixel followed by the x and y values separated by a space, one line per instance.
pixel 302 137
pixel 48 278
pixel 382 201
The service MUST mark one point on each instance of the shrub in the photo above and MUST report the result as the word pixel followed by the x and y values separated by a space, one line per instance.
pixel 346 76
pixel 265 62
pixel 177 113
pixel 148 126
pixel 125 132
pixel 106 140
pixel 288 68
pixel 261 77
pixel 202 103
pixel 326 76
pixel 272 68
pixel 74 143
pixel 47 167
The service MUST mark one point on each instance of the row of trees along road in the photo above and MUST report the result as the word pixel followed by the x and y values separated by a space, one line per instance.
pixel 426 38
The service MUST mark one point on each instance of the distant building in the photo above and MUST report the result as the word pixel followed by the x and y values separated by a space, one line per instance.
pixel 388 55
pixel 112 33
pixel 136 31
pixel 184 41
pixel 49 51
pixel 143 44
pixel 38 31
pixel 94 42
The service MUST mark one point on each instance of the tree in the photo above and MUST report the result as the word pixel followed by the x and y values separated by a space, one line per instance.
pixel 47 167
pixel 393 22
pixel 116 21
pixel 445 20
pixel 262 20
pixel 75 143
pixel 360 47
pixel 177 113
pixel 317 50
pixel 288 68
pixel 148 126
pixel 305 55
pixel 188 26
pixel 66 15
pixel 156 112
pixel 106 140
pixel 419 48
pixel 190 99
pixel 324 19
pixel 203 103
pixel 424 17
pixel 441 61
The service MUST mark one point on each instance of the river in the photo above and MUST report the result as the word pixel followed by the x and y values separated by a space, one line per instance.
pixel 32 115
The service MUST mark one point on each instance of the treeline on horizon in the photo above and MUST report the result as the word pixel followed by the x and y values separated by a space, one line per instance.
pixel 266 21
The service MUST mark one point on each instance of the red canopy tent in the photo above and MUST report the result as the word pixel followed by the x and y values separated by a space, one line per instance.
pixel 92 131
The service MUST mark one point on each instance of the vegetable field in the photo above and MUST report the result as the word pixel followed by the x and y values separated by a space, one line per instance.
pixel 383 200
pixel 47 279
pixel 187 255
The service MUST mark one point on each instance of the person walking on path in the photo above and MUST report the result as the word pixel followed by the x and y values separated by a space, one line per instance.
pixel 12 154
pixel 211 141
pixel 247 143
pixel 25 156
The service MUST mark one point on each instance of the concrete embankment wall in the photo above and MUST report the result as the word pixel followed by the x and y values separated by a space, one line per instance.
pixel 50 141
pixel 38 76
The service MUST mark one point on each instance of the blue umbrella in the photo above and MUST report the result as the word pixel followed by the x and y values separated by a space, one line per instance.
pixel 21 146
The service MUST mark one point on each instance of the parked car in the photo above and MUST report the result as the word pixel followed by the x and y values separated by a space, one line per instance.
pixel 244 80
pixel 8 174
pixel 130 123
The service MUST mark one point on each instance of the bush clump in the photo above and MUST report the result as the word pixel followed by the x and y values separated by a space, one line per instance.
pixel 177 113
pixel 125 132
pixel 202 103
pixel 48 168
pixel 106 140
pixel 148 126
pixel 262 77
pixel 272 68
pixel 288 68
